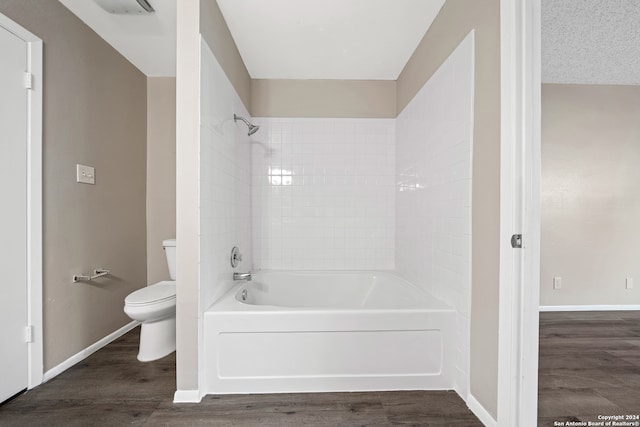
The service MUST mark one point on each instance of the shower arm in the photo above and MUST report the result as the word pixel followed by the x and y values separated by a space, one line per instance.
pixel 236 118
pixel 252 128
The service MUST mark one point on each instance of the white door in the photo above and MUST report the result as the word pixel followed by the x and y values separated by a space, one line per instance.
pixel 13 215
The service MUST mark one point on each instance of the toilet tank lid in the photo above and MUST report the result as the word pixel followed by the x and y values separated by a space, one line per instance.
pixel 169 242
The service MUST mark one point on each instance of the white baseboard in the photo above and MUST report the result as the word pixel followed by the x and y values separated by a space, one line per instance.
pixel 589 307
pixel 187 396
pixel 480 412
pixel 83 354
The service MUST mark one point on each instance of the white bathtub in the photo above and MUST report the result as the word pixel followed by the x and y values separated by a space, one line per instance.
pixel 327 331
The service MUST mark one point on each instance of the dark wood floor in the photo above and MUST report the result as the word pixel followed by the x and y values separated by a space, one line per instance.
pixel 589 365
pixel 111 388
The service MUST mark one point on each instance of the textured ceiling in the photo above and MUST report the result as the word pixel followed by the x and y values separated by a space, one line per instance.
pixel 591 41
pixel 328 39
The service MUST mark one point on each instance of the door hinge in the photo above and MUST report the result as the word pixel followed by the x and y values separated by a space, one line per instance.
pixel 28 80
pixel 29 334
pixel 516 241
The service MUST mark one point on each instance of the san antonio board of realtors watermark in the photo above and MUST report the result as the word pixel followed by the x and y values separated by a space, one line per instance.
pixel 604 421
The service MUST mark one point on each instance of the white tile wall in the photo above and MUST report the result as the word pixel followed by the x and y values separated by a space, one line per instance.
pixel 225 181
pixel 323 194
pixel 349 194
pixel 433 201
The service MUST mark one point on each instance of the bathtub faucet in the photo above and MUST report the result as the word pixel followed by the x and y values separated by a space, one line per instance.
pixel 242 276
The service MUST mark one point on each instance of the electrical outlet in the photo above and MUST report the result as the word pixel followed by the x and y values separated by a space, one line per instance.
pixel 85 174
pixel 557 282
pixel 629 283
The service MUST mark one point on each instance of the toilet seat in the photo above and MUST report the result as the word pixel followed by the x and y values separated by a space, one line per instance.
pixel 153 294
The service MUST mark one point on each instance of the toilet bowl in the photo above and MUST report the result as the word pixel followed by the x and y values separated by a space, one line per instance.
pixel 155 307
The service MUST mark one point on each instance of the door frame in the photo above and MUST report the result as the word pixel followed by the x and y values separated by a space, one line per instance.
pixel 520 177
pixel 34 199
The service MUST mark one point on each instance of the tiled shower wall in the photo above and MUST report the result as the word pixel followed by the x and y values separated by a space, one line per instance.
pixel 433 200
pixel 352 194
pixel 323 194
pixel 225 181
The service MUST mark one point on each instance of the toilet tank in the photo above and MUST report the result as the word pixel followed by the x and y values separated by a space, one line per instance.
pixel 169 247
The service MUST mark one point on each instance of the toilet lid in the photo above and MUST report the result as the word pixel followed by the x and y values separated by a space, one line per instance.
pixel 159 292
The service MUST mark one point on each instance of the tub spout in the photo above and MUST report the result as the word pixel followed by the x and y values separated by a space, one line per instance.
pixel 242 276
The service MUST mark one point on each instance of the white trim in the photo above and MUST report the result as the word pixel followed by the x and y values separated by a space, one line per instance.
pixel 532 159
pixel 202 357
pixel 508 378
pixel 36 365
pixel 589 307
pixel 34 199
pixel 83 354
pixel 519 212
pixel 483 415
pixel 187 396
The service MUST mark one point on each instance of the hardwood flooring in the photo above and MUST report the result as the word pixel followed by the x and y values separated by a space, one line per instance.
pixel 111 388
pixel 589 365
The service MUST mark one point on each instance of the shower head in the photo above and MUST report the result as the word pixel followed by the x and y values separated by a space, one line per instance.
pixel 252 128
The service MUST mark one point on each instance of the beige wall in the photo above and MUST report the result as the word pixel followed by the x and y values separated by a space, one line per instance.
pixel 292 98
pixel 217 35
pixel 455 20
pixel 94 114
pixel 195 18
pixel 187 196
pixel 323 98
pixel 590 194
pixel 161 173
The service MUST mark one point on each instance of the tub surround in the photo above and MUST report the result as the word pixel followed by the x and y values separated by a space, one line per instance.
pixel 320 192
pixel 225 181
pixel 433 193
pixel 454 22
pixel 323 194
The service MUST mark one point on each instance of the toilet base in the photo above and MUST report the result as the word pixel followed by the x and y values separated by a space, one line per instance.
pixel 157 339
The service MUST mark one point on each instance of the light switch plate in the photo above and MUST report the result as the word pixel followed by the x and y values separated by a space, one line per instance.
pixel 85 174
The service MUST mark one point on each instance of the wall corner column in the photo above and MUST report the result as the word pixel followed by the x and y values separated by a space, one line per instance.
pixel 187 213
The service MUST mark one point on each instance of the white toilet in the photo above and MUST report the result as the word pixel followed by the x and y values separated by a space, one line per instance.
pixel 155 307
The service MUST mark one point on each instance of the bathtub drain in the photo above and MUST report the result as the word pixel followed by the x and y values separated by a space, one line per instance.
pixel 244 295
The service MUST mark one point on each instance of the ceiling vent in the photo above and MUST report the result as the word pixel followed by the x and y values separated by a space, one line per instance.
pixel 126 7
